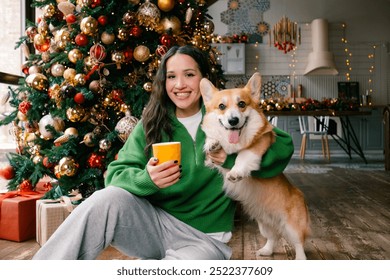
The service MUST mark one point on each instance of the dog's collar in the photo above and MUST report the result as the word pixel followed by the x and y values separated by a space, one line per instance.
pixel 235 128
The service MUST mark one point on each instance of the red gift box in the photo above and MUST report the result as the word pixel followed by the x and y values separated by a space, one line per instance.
pixel 17 216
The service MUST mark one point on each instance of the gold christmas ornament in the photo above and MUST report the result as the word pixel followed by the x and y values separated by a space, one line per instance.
pixel 105 144
pixel 148 86
pixel 208 26
pixel 67 166
pixel 62 35
pixel 172 24
pixel 94 86
pixel 75 55
pixel 89 25
pixel 119 58
pixel 69 74
pixel 71 131
pixel 37 159
pixel 57 70
pixel 88 139
pixel 148 15
pixel 107 38
pixel 49 11
pixel 66 7
pixel 62 139
pixel 141 53
pixel 75 114
pixel 43 28
pixel 22 117
pixel 34 69
pixel 37 81
pixel 188 16
pixel 123 34
pixel 46 120
pixel 125 126
pixel 79 79
pixel 166 5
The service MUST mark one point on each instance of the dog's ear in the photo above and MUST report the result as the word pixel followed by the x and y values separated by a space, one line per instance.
pixel 254 85
pixel 206 89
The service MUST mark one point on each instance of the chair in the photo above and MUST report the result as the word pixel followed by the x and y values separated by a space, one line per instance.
pixel 314 126
pixel 273 120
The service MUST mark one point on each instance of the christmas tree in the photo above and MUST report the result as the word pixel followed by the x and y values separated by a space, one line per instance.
pixel 88 74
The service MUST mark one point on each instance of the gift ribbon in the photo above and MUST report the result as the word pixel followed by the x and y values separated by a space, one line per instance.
pixel 12 194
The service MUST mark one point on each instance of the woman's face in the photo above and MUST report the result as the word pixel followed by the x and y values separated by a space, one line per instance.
pixel 182 84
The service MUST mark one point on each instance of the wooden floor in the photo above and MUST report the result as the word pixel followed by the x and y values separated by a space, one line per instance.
pixel 349 207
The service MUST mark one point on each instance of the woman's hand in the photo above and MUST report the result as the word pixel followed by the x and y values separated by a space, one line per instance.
pixel 217 157
pixel 165 174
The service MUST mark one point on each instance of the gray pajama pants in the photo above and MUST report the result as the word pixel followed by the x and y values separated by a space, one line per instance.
pixel 132 225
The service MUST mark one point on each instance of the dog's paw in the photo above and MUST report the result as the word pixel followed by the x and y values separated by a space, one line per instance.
pixel 234 177
pixel 212 145
pixel 264 252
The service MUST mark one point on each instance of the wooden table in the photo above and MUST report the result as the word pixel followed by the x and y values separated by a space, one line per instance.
pixel 348 141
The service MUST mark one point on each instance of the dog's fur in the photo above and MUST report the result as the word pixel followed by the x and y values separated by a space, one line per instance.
pixel 235 122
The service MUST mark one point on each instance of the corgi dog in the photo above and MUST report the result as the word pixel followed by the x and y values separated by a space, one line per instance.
pixel 235 122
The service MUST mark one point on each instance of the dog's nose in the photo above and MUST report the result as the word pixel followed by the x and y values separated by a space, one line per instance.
pixel 233 121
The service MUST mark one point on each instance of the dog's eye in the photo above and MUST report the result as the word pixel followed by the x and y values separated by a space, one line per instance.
pixel 222 106
pixel 241 104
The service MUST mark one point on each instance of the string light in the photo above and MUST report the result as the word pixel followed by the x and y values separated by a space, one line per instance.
pixel 347 53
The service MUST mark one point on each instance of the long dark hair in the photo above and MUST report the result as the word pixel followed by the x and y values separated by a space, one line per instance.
pixel 155 118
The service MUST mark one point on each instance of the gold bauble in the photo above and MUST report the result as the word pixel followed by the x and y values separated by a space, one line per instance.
pixel 22 117
pixel 57 70
pixel 88 63
pixel 141 53
pixel 123 34
pixel 71 131
pixel 43 28
pixel 67 166
pixel 208 26
pixel 94 86
pixel 125 126
pixel 79 79
pixel 75 114
pixel 49 11
pixel 166 5
pixel 148 86
pixel 37 159
pixel 148 15
pixel 37 81
pixel 62 35
pixel 89 25
pixel 34 69
pixel 88 139
pixel 107 38
pixel 69 74
pixel 171 23
pixel 75 55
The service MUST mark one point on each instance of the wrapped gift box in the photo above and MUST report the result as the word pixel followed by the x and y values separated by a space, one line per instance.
pixel 50 215
pixel 17 216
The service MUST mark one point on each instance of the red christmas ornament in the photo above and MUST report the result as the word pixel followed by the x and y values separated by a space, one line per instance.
pixel 79 98
pixel 24 106
pixel 26 186
pixel 7 172
pixel 136 31
pixel 117 94
pixel 46 163
pixel 161 50
pixel 98 52
pixel 25 69
pixel 166 40
pixel 81 40
pixel 102 20
pixel 96 161
pixel 128 53
pixel 70 18
pixel 95 3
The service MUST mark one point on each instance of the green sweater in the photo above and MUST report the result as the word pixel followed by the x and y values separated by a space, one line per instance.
pixel 197 199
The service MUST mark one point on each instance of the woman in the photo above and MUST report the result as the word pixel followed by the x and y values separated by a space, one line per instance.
pixel 165 211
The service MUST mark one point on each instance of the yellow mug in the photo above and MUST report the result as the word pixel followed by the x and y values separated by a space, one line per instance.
pixel 167 151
